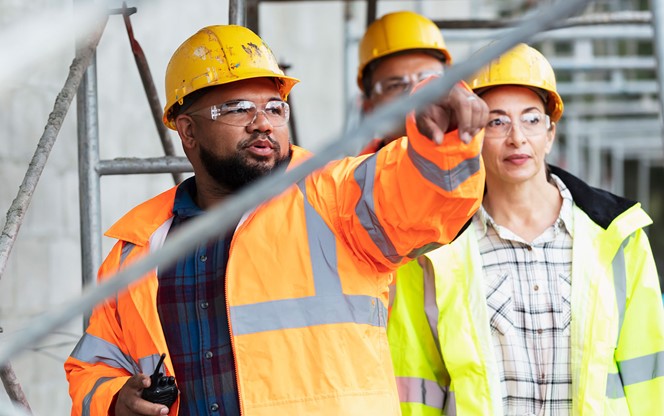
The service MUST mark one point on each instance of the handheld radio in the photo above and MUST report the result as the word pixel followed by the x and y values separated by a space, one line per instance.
pixel 162 388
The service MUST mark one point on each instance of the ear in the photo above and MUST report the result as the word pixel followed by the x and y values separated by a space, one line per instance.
pixel 185 126
pixel 550 137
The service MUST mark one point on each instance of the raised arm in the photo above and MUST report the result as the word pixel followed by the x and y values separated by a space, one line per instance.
pixel 414 194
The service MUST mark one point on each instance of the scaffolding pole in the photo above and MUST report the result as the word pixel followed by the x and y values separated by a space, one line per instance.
pixel 237 12
pixel 658 27
pixel 148 86
pixel 18 208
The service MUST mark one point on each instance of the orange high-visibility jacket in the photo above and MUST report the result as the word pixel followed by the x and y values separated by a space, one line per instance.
pixel 306 282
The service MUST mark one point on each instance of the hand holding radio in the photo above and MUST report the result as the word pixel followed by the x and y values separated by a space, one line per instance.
pixel 162 388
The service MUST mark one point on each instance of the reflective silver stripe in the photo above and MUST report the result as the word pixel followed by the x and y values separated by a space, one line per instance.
pixel 88 397
pixel 126 249
pixel 637 370
pixel 304 312
pixel 430 305
pixel 620 284
pixel 149 363
pixel 448 180
pixel 92 350
pixel 364 176
pixel 322 247
pixel 328 306
pixel 614 383
pixel 450 404
pixel 423 250
pixel 614 386
pixel 422 391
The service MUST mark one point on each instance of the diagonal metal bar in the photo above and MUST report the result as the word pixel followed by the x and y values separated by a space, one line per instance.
pixel 18 208
pixel 149 87
pixel 224 216
pixel 13 388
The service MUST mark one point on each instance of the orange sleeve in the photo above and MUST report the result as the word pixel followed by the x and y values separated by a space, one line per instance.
pixel 95 385
pixel 408 198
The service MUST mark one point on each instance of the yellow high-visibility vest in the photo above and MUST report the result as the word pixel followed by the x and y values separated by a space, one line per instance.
pixel 446 365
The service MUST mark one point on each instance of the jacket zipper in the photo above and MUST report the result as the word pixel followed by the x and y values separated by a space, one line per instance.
pixel 230 325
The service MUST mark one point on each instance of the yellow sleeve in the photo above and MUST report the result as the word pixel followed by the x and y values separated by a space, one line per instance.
pixel 640 351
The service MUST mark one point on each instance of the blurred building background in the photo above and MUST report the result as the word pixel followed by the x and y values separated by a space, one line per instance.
pixel 610 135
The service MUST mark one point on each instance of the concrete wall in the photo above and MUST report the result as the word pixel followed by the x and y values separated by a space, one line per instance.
pixel 44 272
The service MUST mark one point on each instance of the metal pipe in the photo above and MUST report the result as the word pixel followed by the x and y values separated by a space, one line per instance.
pixel 17 210
pixel 237 12
pixel 643 32
pixel 657 8
pixel 346 40
pixel 149 87
pixel 253 21
pixel 88 178
pixel 614 18
pixel 643 183
pixel 371 11
pixel 224 216
pixel 87 120
pixel 122 166
pixel 13 387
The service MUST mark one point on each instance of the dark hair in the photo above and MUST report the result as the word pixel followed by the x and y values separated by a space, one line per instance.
pixel 367 72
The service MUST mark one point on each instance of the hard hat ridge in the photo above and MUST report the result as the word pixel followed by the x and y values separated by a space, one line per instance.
pixel 217 55
pixel 395 32
pixel 522 65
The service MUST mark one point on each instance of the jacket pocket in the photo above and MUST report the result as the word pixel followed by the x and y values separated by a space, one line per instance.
pixel 500 305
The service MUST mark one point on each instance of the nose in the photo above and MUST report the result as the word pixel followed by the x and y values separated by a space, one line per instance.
pixel 515 135
pixel 260 122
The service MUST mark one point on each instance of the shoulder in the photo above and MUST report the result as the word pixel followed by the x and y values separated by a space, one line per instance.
pixel 601 206
pixel 139 223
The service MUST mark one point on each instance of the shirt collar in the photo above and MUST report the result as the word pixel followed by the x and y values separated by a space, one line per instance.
pixel 184 205
pixel 566 216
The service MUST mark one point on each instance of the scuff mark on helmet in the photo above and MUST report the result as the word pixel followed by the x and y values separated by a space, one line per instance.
pixel 252 49
pixel 201 52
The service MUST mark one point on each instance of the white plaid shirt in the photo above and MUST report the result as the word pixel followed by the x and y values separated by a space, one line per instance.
pixel 528 291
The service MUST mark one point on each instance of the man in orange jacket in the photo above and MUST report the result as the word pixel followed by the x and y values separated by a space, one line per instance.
pixel 286 314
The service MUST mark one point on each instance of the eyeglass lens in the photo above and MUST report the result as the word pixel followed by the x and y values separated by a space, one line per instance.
pixel 531 124
pixel 242 113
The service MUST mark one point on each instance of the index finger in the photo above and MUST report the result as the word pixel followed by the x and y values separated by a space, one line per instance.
pixel 470 113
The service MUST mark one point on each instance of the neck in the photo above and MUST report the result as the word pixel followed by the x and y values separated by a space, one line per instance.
pixel 526 209
pixel 209 194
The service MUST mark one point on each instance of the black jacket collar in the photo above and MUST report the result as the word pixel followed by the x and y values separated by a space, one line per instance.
pixel 600 205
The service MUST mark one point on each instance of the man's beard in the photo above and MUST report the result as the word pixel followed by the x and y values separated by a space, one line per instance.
pixel 235 171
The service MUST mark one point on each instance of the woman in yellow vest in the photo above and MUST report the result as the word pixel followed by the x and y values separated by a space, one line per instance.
pixel 549 302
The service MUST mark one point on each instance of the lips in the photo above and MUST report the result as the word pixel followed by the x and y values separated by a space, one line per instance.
pixel 516 158
pixel 261 147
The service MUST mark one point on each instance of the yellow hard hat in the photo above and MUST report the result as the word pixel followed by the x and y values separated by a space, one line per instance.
pixel 398 32
pixel 217 55
pixel 522 65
